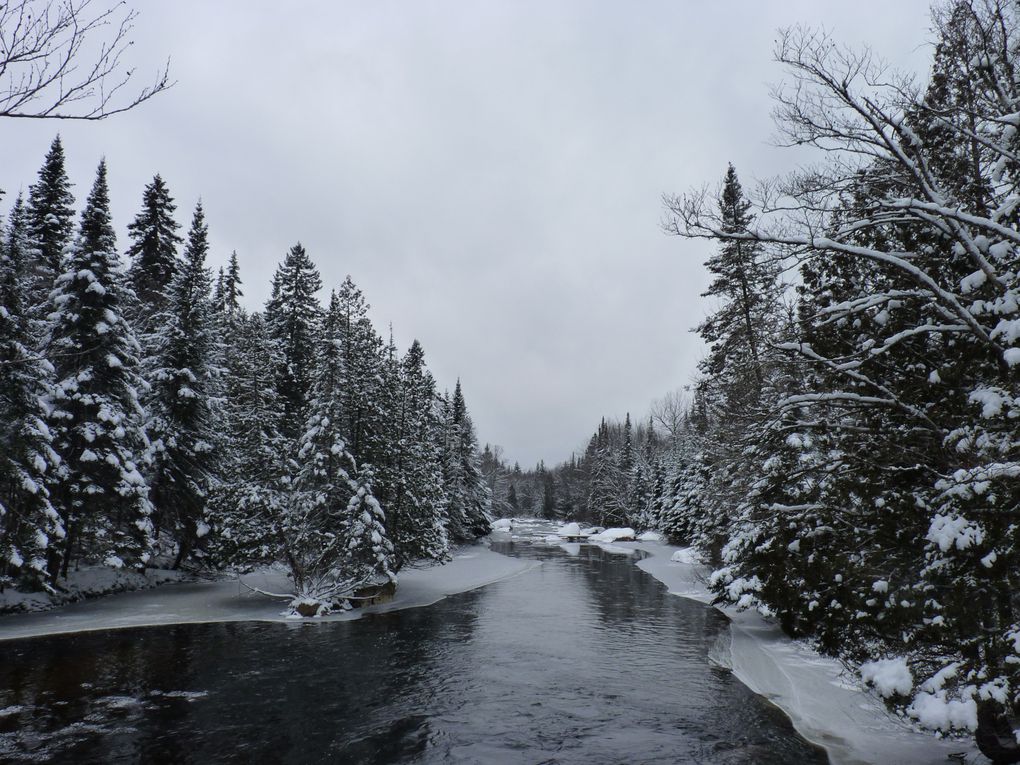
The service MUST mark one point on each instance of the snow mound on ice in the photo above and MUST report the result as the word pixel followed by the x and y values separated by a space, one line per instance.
pixel 650 536
pixel 686 555
pixel 570 530
pixel 502 524
pixel 615 535
pixel 891 677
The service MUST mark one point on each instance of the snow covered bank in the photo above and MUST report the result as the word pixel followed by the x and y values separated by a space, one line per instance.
pixel 827 705
pixel 227 601
pixel 84 583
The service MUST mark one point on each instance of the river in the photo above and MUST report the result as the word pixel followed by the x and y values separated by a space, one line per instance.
pixel 584 659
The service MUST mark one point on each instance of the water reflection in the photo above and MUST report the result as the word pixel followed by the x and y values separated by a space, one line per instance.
pixel 585 659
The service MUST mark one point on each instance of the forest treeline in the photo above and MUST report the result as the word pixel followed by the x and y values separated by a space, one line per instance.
pixel 146 416
pixel 849 457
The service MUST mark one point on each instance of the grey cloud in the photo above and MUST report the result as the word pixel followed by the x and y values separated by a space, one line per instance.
pixel 489 173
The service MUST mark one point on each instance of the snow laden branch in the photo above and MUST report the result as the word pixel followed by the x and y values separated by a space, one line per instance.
pixel 885 403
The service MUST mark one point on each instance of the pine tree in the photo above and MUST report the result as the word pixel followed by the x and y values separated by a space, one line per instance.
pixel 153 250
pixel 293 315
pixel 95 415
pixel 183 412
pixel 50 221
pixel 28 522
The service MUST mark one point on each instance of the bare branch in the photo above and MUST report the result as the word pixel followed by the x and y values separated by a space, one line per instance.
pixel 63 59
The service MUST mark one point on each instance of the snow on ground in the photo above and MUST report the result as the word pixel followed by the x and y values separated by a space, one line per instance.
pixel 614 535
pixel 87 582
pixel 827 705
pixel 570 530
pixel 473 566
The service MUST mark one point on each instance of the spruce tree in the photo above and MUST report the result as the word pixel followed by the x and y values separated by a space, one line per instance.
pixel 153 250
pixel 28 523
pixel 292 316
pixel 50 222
pixel 95 415
pixel 746 287
pixel 232 292
pixel 183 412
pixel 417 509
pixel 468 500
pixel 337 536
pixel 246 508
pixel 369 554
pixel 363 357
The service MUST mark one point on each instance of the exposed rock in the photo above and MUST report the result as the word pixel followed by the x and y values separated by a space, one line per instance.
pixel 372 594
pixel 308 608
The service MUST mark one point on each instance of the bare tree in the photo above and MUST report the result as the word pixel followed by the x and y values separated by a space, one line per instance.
pixel 63 59
pixel 920 190
pixel 670 412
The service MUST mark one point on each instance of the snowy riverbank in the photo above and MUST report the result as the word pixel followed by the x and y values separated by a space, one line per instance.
pixel 86 583
pixel 827 705
pixel 473 566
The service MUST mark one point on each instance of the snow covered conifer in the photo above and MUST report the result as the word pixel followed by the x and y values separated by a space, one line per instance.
pixel 369 554
pixel 363 397
pixel 182 427
pixel 95 415
pixel 292 316
pixel 50 221
pixel 746 286
pixel 468 500
pixel 232 292
pixel 153 249
pixel 245 509
pixel 417 510
pixel 28 522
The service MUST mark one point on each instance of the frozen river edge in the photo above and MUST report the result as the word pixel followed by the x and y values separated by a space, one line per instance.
pixel 229 600
pixel 826 704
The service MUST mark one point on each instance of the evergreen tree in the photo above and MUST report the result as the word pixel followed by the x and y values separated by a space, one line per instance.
pixel 246 508
pixel 342 538
pixel 468 500
pixel 183 413
pixel 363 368
pixel 369 554
pixel 293 315
pixel 28 523
pixel 232 292
pixel 746 286
pixel 95 415
pixel 153 250
pixel 50 221
pixel 417 509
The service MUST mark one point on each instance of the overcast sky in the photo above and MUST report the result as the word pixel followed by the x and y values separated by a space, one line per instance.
pixel 488 172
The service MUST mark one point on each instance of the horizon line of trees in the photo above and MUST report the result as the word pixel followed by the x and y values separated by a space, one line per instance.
pixel 146 416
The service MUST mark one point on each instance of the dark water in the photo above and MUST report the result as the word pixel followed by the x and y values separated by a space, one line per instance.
pixel 585 659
